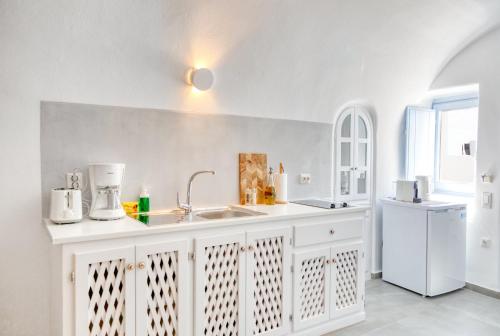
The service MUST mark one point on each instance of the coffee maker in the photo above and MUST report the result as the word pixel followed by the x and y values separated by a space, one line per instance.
pixel 105 185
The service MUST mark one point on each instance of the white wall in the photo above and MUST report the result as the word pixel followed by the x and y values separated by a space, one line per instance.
pixel 479 63
pixel 285 59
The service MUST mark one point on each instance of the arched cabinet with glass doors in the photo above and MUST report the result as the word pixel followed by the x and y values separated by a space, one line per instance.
pixel 353 144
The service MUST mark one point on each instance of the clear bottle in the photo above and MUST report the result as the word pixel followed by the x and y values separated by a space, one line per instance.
pixel 270 191
pixel 248 196
pixel 254 196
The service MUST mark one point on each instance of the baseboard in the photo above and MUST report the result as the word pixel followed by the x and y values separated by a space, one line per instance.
pixel 332 326
pixel 475 288
pixel 482 290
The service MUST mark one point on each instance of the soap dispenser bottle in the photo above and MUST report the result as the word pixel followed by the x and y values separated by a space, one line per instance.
pixel 144 200
pixel 270 191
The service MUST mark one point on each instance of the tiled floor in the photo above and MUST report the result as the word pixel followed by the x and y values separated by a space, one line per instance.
pixel 393 311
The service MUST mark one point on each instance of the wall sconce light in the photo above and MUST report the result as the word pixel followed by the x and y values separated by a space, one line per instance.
pixel 202 79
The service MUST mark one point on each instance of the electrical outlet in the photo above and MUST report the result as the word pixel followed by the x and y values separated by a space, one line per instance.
pixel 305 178
pixel 74 180
pixel 485 242
pixel 487 200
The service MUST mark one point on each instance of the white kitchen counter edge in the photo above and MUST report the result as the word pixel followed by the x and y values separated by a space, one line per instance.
pixel 91 230
pixel 426 205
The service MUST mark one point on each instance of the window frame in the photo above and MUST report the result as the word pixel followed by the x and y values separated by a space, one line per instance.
pixel 442 105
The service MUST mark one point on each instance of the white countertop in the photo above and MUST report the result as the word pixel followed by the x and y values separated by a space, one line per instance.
pixel 88 229
pixel 426 205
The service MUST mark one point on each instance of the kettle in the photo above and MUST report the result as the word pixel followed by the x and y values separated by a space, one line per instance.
pixel 65 205
pixel 424 186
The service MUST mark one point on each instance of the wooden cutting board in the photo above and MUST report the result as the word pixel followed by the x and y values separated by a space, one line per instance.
pixel 253 172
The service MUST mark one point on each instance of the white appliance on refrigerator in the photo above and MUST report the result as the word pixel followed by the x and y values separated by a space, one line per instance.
pixel 424 245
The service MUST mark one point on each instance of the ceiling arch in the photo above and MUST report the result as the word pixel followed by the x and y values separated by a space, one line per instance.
pixel 303 60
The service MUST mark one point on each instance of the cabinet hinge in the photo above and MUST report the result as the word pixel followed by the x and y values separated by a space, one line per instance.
pixel 72 276
pixel 191 256
pixel 291 318
pixel 291 268
pixel 291 241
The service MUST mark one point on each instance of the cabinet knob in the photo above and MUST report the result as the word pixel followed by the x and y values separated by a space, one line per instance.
pixel 250 247
pixel 130 267
pixel 328 261
pixel 332 231
pixel 242 249
pixel 333 261
pixel 141 265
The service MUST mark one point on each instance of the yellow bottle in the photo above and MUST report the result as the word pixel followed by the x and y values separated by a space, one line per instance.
pixel 270 191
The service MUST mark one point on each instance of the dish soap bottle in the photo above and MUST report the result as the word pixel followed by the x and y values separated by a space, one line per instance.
pixel 143 200
pixel 270 191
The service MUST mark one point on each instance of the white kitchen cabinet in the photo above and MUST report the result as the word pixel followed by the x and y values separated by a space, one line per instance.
pixel 328 284
pixel 243 280
pixel 133 290
pixel 328 231
pixel 268 282
pixel 231 277
pixel 220 285
pixel 311 288
pixel 347 267
pixel 353 154
pixel 105 292
pixel 161 289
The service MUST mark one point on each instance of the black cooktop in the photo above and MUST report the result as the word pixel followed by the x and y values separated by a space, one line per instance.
pixel 322 204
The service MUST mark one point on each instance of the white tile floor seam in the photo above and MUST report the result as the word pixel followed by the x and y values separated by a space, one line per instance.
pixel 393 311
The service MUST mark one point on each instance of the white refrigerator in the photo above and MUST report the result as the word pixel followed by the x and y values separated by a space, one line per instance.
pixel 424 246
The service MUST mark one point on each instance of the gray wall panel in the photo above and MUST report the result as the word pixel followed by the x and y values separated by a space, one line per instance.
pixel 161 149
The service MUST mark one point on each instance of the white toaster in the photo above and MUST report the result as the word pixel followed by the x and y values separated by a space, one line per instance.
pixel 405 190
pixel 65 205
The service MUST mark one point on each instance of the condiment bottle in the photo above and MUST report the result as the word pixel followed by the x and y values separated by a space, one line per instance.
pixel 270 191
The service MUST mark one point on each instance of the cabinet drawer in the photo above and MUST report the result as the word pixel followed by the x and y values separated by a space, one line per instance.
pixel 309 234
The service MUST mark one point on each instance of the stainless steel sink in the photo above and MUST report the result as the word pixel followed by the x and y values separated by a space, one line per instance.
pixel 227 213
pixel 178 216
pixel 160 218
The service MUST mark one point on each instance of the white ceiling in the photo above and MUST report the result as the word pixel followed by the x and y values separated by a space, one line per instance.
pixel 304 59
pixel 293 59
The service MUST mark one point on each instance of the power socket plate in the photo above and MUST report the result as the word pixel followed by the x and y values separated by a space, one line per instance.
pixel 74 180
pixel 305 178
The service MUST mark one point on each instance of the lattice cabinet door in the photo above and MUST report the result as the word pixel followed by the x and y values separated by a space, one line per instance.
pixel 347 279
pixel 162 308
pixel 311 288
pixel 220 285
pixel 105 292
pixel 268 279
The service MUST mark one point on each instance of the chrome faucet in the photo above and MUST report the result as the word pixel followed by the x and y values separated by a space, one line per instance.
pixel 187 207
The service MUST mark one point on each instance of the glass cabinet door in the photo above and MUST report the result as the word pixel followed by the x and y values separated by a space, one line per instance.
pixel 362 158
pixel 345 148
pixel 353 158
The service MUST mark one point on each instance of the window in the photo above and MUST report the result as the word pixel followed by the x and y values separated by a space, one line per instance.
pixel 441 142
pixel 456 130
